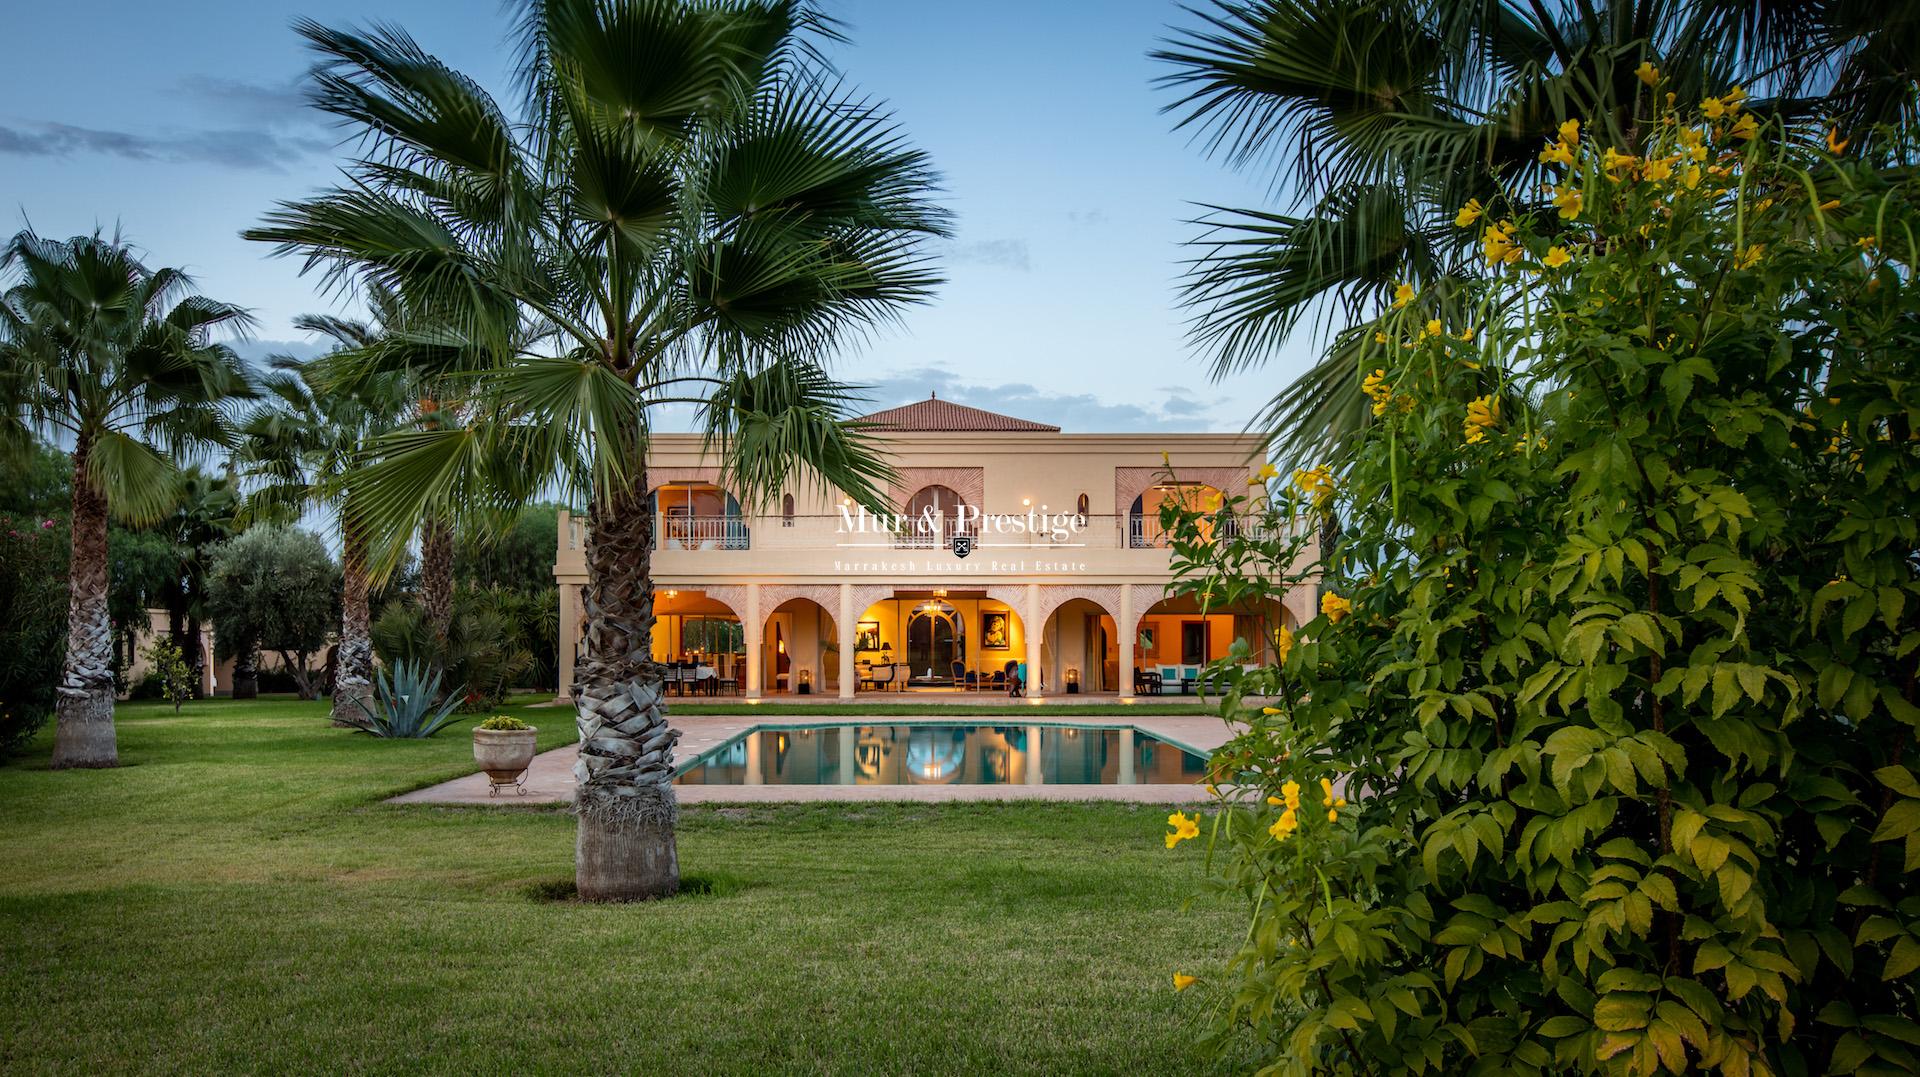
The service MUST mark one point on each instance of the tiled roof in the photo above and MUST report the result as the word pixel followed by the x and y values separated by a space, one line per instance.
pixel 934 415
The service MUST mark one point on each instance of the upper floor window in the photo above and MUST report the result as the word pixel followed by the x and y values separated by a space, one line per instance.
pixel 786 510
pixel 1143 517
pixel 934 506
pixel 1081 506
pixel 698 515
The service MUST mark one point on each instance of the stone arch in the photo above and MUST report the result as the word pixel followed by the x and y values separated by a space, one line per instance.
pixel 773 596
pixel 1131 482
pixel 969 482
pixel 1104 595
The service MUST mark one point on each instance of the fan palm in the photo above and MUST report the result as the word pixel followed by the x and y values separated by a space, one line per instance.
pixel 117 359
pixel 687 209
pixel 206 510
pixel 301 445
pixel 1392 114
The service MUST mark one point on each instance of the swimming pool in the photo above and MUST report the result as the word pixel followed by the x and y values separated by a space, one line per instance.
pixel 943 754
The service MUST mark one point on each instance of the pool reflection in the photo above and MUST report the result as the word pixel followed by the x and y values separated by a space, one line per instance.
pixel 945 755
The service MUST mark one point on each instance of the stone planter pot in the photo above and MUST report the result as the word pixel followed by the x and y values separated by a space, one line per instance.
pixel 504 754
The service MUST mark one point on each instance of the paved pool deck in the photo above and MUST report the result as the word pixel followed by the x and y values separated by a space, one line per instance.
pixel 550 779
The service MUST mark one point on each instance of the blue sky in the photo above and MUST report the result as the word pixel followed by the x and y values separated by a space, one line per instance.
pixel 1069 186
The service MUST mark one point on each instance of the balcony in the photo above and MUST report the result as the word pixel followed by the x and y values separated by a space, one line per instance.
pixel 741 533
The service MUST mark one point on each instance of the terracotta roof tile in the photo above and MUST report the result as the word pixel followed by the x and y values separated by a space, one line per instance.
pixel 934 415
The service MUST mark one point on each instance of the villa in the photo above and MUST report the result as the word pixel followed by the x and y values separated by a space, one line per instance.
pixel 1016 551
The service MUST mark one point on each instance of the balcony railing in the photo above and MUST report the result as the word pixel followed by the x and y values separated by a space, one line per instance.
pixel 702 533
pixel 1138 532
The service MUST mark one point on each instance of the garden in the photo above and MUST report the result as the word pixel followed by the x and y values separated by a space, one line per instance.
pixel 1597 758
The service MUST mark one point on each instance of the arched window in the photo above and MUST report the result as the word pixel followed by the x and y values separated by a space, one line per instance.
pixel 698 515
pixel 786 510
pixel 1081 506
pixel 1143 516
pixel 934 516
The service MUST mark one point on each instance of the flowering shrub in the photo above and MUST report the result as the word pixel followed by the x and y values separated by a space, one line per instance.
pixel 1616 661
pixel 33 624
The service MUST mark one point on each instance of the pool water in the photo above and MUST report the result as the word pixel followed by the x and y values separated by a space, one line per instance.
pixel 945 755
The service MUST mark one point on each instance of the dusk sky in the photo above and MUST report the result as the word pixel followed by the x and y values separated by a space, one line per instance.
pixel 1070 188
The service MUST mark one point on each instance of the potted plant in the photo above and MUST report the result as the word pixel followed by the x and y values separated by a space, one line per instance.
pixel 503 746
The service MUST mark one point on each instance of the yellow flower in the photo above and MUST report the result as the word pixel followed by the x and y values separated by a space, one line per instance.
pixel 1290 794
pixel 1335 607
pixel 1165 459
pixel 1469 213
pixel 1283 644
pixel 1271 710
pixel 1434 327
pixel 1402 295
pixel 1284 826
pixel 1556 257
pixel 1691 177
pixel 1379 337
pixel 1184 827
pixel 1326 792
pixel 1333 815
pixel 1556 153
pixel 1835 144
pixel 1750 257
pixel 1182 981
pixel 1866 243
pixel 1497 243
pixel 1267 473
pixel 1467 334
pixel 1713 108
pixel 1483 413
pixel 1315 483
pixel 1748 128
pixel 1831 203
pixel 1570 132
pixel 1763 205
pixel 1614 159
pixel 1658 169
pixel 1648 73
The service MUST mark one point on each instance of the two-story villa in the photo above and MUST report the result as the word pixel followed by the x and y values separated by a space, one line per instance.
pixel 1013 543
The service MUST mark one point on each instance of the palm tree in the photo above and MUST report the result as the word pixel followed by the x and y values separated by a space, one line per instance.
pixel 687 209
pixel 117 359
pixel 1392 114
pixel 301 446
pixel 206 508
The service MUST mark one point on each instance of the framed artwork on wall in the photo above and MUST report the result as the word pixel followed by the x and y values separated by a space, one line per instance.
pixel 866 636
pixel 994 632
pixel 1149 640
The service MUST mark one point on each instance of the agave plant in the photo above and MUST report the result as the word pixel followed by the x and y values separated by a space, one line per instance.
pixel 405 696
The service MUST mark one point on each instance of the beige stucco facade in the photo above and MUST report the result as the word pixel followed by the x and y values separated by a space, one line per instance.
pixel 823 597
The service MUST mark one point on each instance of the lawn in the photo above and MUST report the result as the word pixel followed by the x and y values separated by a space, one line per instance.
pixel 237 897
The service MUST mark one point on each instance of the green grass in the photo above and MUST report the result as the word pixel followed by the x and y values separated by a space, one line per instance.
pixel 237 897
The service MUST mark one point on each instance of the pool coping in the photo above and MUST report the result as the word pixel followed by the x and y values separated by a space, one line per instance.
pixel 550 779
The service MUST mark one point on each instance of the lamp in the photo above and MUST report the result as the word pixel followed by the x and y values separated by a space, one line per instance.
pixel 806 682
pixel 1073 682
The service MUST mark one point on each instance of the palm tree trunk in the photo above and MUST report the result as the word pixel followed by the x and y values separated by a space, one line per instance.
pixel 84 736
pixel 353 675
pixel 436 576
pixel 624 850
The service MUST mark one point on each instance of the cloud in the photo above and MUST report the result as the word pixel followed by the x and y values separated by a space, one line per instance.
pixel 251 126
pixel 275 103
pixel 241 148
pixel 1004 253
